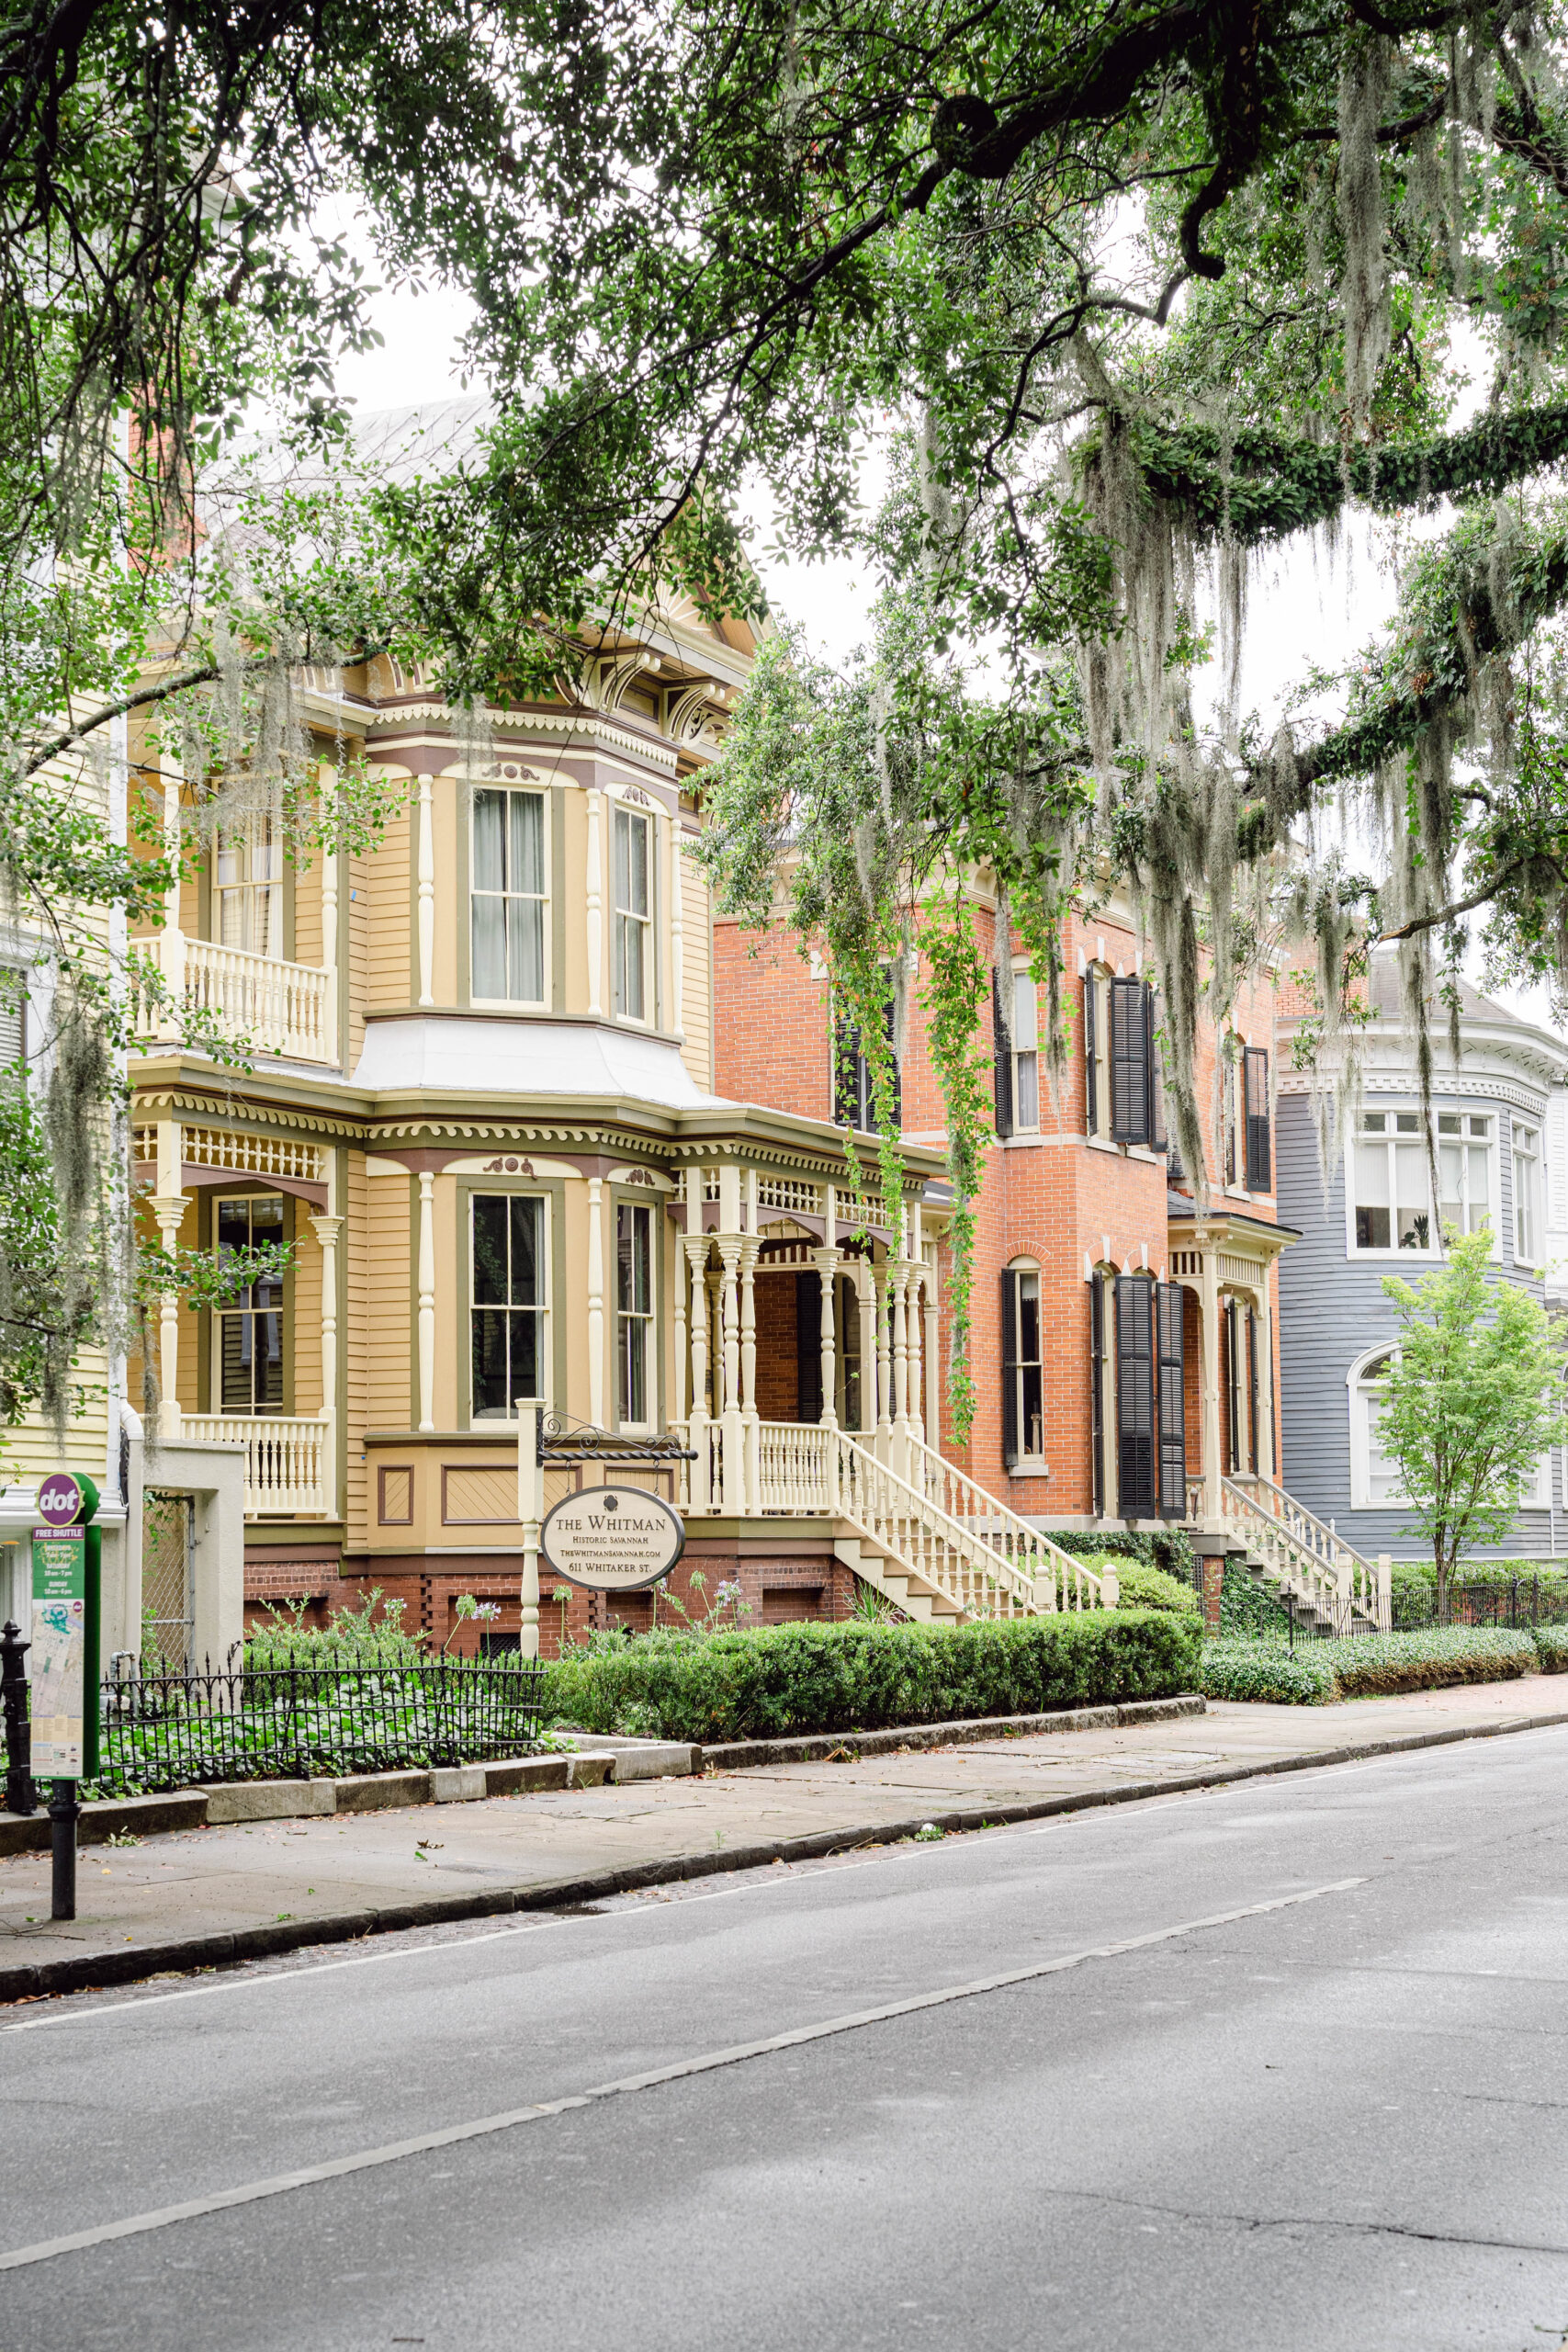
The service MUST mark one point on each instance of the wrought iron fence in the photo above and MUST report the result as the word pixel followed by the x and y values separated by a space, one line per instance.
pixel 1508 1604
pixel 163 1728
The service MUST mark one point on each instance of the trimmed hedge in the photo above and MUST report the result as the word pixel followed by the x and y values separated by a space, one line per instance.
pixel 1170 1548
pixel 1144 1587
pixel 1552 1649
pixel 778 1680
pixel 1367 1666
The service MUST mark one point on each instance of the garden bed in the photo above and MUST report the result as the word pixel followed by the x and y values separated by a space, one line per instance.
pixel 1316 1673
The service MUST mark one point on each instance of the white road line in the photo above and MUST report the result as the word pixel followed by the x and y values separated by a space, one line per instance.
pixel 484 2126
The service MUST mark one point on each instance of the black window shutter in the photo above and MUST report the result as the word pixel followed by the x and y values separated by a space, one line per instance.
pixel 1097 1392
pixel 1135 1396
pixel 1129 1062
pixel 1010 1369
pixel 1003 1060
pixel 1259 1144
pixel 1157 1137
pixel 1091 1073
pixel 1171 1308
pixel 809 1346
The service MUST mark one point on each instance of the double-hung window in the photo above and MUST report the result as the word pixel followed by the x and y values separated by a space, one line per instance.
pixel 1465 1171
pixel 249 882
pixel 634 1312
pixel 1025 1053
pixel 633 923
pixel 1023 1370
pixel 509 1297
pixel 508 898
pixel 249 1321
pixel 1097 1050
pixel 1392 1192
pixel 1527 1193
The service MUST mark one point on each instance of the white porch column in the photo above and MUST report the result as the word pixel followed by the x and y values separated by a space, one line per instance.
pixel 734 1425
pixel 530 1512
pixel 693 1266
pixel 752 1425
pixel 865 1296
pixel 596 1301
pixel 932 1362
pixel 827 1265
pixel 1268 1438
pixel 168 1204
pixel 595 879
pixel 883 1279
pixel 426 880
pixel 914 1330
pixel 898 1300
pixel 331 873
pixel 327 1230
pixel 171 946
pixel 1214 1470
pixel 427 1299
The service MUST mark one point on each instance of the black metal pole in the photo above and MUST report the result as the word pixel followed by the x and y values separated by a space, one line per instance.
pixel 64 1814
pixel 20 1794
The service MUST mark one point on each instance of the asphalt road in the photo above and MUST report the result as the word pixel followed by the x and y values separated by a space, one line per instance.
pixel 1190 2121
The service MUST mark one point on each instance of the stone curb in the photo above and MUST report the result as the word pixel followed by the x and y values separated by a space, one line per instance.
pixel 746 1754
pixel 262 1942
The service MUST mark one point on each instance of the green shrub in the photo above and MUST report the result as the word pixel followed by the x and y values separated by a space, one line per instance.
pixel 1248 1608
pixel 1368 1666
pixel 767 1682
pixel 1143 1588
pixel 1267 1673
pixel 1170 1548
pixel 1552 1649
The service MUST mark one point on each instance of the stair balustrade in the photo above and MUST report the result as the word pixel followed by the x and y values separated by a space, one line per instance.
pixel 1306 1558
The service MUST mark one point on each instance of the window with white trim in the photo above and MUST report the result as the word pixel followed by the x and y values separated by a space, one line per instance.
pixel 1527 1193
pixel 634 926
pixel 1374 1477
pixel 249 882
pixel 1465 1171
pixel 508 898
pixel 1392 1195
pixel 509 1297
pixel 248 1326
pixel 1097 1048
pixel 1025 1053
pixel 634 1313
pixel 1023 1372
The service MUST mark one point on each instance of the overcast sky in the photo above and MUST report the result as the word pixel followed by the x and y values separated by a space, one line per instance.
pixel 1304 607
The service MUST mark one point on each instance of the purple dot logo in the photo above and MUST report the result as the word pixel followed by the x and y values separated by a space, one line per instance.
pixel 60 1499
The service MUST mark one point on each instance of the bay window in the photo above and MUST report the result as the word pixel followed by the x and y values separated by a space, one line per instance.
pixel 508 898
pixel 1527 1193
pixel 248 1324
pixel 508 1292
pixel 1392 1203
pixel 1465 1171
pixel 634 1312
pixel 633 921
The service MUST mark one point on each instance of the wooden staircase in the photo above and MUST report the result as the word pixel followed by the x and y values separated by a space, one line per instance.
pixel 1293 1555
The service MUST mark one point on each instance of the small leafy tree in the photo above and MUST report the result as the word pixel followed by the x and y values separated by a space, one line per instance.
pixel 1474 1399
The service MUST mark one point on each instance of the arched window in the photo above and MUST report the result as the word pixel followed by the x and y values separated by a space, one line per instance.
pixel 1375 1479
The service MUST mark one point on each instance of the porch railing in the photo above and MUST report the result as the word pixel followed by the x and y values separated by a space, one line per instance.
pixel 1060 1581
pixel 287 1459
pixel 793 1460
pixel 1305 1558
pixel 281 1008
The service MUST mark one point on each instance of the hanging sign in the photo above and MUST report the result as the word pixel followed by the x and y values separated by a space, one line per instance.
pixel 611 1539
pixel 58 1666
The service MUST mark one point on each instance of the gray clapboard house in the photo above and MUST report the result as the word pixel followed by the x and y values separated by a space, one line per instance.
pixel 1502 1124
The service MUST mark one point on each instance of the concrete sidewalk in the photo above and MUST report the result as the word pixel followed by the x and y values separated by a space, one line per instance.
pixel 207 1896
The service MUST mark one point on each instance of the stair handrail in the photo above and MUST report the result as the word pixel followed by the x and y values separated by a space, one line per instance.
pixel 858 1467
pixel 1325 1541
pixel 1071 1574
pixel 1329 1584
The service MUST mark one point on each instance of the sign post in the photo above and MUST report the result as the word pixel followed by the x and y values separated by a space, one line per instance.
pixel 67 1601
